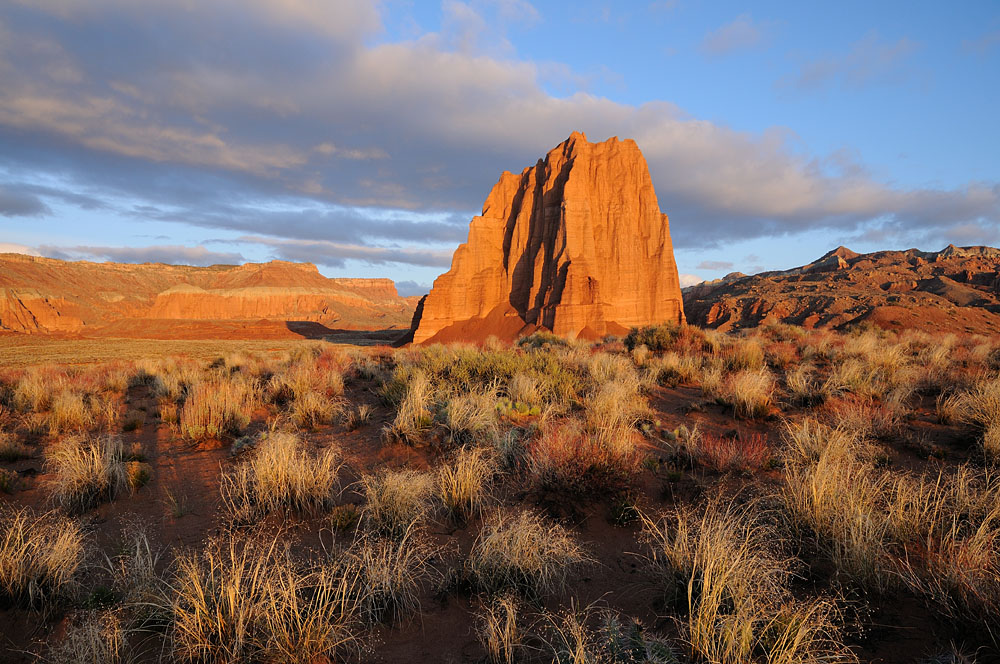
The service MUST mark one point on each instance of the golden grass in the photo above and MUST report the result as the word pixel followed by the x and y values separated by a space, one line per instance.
pixel 40 556
pixel 463 486
pixel 396 501
pixel 500 631
pixel 86 471
pixel 523 553
pixel 391 573
pixel 280 473
pixel 69 413
pixel 218 407
pixel 584 636
pixel 12 449
pixel 357 417
pixel 248 600
pixel 566 457
pixel 722 566
pixel 94 637
pixel 471 417
pixel 750 393
pixel 413 415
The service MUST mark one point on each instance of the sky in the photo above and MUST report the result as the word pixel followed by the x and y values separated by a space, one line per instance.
pixel 364 136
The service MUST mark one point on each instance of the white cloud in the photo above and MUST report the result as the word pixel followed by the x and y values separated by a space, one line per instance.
pixel 740 34
pixel 11 248
pixel 690 280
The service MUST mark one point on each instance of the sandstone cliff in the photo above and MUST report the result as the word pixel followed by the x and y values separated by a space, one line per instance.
pixel 575 244
pixel 43 295
pixel 953 290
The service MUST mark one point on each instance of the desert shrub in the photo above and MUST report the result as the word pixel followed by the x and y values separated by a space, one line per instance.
pixel 730 453
pixel 279 474
pixel 413 414
pixel 673 369
pixel 568 458
pixel 980 406
pixel 94 637
pixel 749 393
pixel 313 409
pixel 656 338
pixel 40 556
pixel 86 471
pixel 745 354
pixel 34 390
pixel 523 388
pixel 249 600
pixel 523 553
pixel 722 566
pixel 803 388
pixel 841 501
pixel 809 439
pixel 500 631
pixel 464 485
pixel 69 413
pixel 575 639
pixel 864 419
pixel 218 407
pixel 357 417
pixel 471 417
pixel 949 407
pixel 299 380
pixel 542 340
pixel 391 574
pixel 946 525
pixel 12 449
pixel 396 501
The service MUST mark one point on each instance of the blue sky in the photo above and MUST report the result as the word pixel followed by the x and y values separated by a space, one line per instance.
pixel 364 136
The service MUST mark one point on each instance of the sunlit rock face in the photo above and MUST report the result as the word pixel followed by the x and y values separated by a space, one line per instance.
pixel 575 244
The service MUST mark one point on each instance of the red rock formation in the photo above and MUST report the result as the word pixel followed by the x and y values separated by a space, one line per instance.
pixel 43 295
pixel 575 244
pixel 953 290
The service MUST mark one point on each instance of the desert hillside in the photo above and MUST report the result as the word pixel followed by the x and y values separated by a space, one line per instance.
pixel 46 296
pixel 956 289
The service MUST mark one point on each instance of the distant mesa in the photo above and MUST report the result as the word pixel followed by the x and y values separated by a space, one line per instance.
pixel 956 289
pixel 154 300
pixel 575 244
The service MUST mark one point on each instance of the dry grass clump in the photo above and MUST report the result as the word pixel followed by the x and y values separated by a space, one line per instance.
pixel 744 355
pixel 413 414
pixel 218 407
pixel 673 369
pixel 96 637
pixel 396 501
pixel 12 449
pixel 34 390
pixel 721 567
pixel 980 406
pixel 281 473
pixel 523 553
pixel 86 471
pixel 472 418
pixel 391 575
pixel 357 417
pixel 750 393
pixel 464 485
pixel 313 409
pixel 576 639
pixel 729 453
pixel 500 631
pixel 568 458
pixel 839 499
pixel 863 418
pixel 40 556
pixel 949 528
pixel 803 387
pixel 69 413
pixel 523 388
pixel 249 600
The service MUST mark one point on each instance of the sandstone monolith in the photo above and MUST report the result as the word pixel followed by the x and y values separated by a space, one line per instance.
pixel 575 244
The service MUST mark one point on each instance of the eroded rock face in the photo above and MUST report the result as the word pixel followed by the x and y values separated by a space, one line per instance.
pixel 953 290
pixel 575 244
pixel 44 296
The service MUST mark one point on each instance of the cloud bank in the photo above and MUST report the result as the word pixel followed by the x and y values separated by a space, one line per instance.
pixel 307 134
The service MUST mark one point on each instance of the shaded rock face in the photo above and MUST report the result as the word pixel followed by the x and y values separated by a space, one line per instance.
pixel 44 296
pixel 953 290
pixel 575 244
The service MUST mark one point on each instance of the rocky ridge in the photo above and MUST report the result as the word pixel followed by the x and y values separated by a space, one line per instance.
pixel 45 296
pixel 956 289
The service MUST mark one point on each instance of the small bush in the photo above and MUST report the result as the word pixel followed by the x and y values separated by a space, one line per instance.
pixel 750 393
pixel 523 553
pixel 392 573
pixel 566 458
pixel 69 413
pixel 218 408
pixel 12 449
pixel 464 485
pixel 396 501
pixel 86 472
pixel 279 474
pixel 39 556
pixel 96 637
pixel 731 453
pixel 656 338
